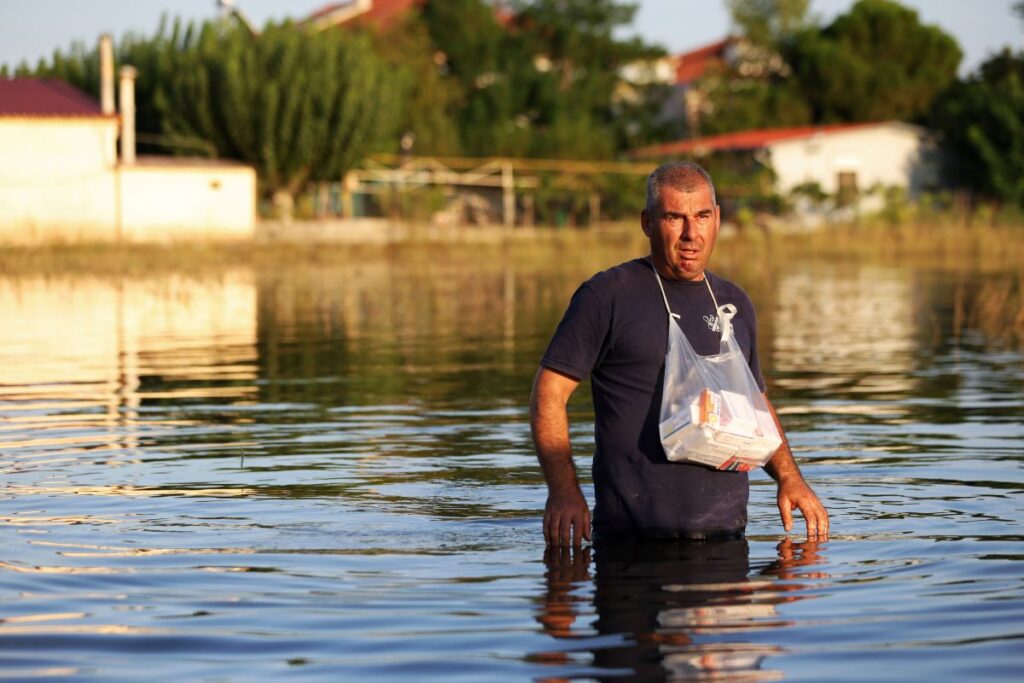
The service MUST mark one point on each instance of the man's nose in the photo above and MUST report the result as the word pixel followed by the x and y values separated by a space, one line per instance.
pixel 686 228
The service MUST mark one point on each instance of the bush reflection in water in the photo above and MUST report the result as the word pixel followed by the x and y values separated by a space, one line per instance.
pixel 327 469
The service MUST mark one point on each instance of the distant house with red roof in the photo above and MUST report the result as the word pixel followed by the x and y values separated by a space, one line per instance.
pixel 682 73
pixel 48 98
pixel 690 66
pixel 689 74
pixel 379 14
pixel 58 153
pixel 61 178
pixel 841 158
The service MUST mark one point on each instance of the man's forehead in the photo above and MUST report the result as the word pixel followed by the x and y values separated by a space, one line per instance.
pixel 698 193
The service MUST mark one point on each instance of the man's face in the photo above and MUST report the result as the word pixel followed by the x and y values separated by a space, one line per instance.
pixel 682 229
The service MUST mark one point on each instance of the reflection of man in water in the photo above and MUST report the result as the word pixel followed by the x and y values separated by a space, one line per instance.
pixel 615 331
pixel 667 609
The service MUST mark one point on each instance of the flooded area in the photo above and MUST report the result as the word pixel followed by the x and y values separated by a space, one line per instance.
pixel 324 472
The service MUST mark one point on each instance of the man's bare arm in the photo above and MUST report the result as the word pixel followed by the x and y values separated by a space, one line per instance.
pixel 794 492
pixel 566 515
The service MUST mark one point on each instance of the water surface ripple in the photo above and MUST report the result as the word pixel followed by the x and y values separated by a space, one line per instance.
pixel 328 475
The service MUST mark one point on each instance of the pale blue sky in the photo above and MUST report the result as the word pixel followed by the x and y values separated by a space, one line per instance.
pixel 30 29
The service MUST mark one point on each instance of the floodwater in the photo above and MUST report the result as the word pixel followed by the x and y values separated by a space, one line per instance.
pixel 325 473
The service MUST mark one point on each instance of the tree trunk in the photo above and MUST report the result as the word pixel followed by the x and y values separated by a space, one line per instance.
pixel 284 205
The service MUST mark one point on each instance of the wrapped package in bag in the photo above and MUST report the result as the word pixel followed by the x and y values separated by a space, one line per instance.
pixel 712 411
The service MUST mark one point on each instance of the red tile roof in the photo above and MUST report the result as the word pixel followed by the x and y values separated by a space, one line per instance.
pixel 740 140
pixel 382 13
pixel 385 12
pixel 45 98
pixel 691 65
pixel 324 11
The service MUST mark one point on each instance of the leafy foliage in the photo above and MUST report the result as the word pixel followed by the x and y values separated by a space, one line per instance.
pixel 573 89
pixel 876 62
pixel 299 106
pixel 755 90
pixel 535 78
pixel 424 98
pixel 485 66
pixel 769 23
pixel 982 119
pixel 738 103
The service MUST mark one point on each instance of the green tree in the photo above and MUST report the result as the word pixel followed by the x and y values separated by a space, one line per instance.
pixel 574 91
pixel 429 98
pixel 876 62
pixel 79 66
pixel 982 120
pixel 755 90
pixel 486 65
pixel 299 106
pixel 769 23
pixel 743 103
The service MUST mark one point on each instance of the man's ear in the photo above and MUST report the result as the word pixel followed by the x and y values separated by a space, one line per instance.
pixel 644 217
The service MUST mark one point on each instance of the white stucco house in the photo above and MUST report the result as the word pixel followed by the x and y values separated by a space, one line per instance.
pixel 841 158
pixel 62 179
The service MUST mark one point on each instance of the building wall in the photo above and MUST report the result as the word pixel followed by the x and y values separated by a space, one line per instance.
pixel 60 182
pixel 171 201
pixel 886 154
pixel 56 179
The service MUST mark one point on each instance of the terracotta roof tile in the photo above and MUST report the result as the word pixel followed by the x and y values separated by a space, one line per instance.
pixel 385 12
pixel 691 65
pixel 382 13
pixel 739 140
pixel 45 98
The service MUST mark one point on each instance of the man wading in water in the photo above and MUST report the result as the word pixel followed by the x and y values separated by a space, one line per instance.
pixel 615 331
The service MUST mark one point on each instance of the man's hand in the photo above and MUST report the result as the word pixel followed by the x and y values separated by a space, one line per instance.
pixel 794 493
pixel 566 518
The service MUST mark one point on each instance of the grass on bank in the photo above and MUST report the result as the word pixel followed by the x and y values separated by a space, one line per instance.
pixel 945 245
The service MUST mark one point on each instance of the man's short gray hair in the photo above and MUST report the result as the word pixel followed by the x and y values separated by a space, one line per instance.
pixel 684 176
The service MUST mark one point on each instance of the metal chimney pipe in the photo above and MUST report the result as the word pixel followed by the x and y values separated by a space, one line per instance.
pixel 106 74
pixel 128 75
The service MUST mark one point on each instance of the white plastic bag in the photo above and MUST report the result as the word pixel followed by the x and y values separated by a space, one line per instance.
pixel 712 411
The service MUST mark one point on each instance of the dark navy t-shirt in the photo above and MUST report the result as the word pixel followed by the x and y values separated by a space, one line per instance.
pixel 616 331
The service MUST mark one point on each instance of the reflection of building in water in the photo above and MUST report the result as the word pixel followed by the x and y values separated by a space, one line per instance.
pixel 849 329
pixel 82 342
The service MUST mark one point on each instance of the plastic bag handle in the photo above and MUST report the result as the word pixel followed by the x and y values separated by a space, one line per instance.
pixel 725 313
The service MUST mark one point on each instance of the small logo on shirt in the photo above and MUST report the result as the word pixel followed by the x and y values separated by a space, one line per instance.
pixel 712 321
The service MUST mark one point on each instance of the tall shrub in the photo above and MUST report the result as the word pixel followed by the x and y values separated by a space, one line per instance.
pixel 299 106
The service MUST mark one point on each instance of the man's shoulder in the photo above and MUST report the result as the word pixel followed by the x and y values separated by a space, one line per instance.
pixel 727 291
pixel 724 287
pixel 620 278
